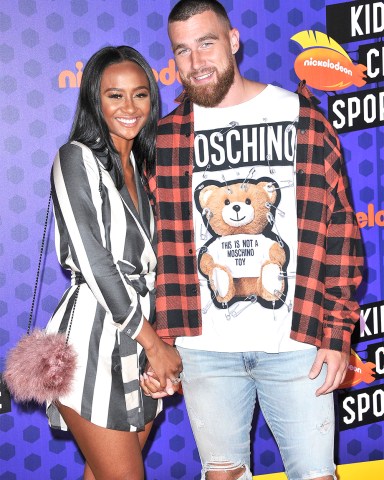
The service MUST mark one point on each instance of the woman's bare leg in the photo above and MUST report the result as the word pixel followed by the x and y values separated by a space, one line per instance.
pixel 88 474
pixel 144 434
pixel 109 454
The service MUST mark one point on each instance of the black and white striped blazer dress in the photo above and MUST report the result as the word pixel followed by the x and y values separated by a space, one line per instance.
pixel 109 248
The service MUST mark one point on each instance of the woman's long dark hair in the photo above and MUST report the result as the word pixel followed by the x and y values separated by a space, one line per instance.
pixel 89 126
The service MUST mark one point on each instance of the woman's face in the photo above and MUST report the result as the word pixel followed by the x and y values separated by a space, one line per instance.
pixel 125 102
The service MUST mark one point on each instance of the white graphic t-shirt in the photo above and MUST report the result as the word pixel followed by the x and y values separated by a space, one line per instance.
pixel 245 222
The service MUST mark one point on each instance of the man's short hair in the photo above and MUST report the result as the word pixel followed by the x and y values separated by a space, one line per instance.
pixel 185 9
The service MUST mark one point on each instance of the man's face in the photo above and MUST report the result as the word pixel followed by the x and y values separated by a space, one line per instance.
pixel 203 47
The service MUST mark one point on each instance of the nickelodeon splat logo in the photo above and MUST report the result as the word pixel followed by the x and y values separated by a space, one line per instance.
pixel 324 64
pixel 358 372
pixel 72 79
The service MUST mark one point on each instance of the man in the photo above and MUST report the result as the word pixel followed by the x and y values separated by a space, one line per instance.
pixel 256 308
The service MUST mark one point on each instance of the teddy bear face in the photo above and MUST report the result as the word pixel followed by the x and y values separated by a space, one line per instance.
pixel 238 208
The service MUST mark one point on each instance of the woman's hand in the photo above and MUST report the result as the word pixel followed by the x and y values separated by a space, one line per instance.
pixel 150 384
pixel 164 370
pixel 164 359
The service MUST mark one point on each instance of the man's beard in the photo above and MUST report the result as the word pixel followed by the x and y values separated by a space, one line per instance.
pixel 213 94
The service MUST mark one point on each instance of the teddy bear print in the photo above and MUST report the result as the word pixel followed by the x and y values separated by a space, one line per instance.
pixel 244 258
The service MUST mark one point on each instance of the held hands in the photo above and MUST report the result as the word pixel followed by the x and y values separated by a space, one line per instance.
pixel 337 363
pixel 162 375
pixel 150 384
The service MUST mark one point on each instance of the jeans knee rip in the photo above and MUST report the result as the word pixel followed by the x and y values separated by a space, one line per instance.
pixel 325 426
pixel 196 419
pixel 314 474
pixel 218 463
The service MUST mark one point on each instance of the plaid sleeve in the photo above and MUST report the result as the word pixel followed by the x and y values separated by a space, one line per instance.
pixel 178 310
pixel 330 253
pixel 344 251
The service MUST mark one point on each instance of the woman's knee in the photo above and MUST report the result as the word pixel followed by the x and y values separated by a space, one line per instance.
pixel 122 460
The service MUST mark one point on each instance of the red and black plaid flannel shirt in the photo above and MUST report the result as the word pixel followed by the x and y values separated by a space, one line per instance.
pixel 330 253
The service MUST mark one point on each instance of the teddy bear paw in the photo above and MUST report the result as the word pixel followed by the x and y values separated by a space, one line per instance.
pixel 221 281
pixel 270 278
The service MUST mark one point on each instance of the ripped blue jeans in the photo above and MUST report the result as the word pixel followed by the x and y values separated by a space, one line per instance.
pixel 220 392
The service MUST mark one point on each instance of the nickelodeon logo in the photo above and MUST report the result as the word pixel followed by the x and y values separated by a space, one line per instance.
pixel 72 79
pixel 69 79
pixel 358 372
pixel 324 64
pixel 371 218
pixel 168 75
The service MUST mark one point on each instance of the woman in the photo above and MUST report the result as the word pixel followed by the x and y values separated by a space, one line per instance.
pixel 105 237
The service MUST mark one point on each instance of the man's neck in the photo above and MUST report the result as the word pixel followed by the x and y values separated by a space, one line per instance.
pixel 241 91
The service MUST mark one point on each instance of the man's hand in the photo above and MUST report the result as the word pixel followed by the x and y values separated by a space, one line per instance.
pixel 165 360
pixel 337 363
pixel 150 385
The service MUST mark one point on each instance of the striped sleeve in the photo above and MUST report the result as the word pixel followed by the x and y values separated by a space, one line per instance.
pixel 83 241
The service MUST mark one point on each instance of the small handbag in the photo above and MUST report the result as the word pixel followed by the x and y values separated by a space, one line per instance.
pixel 41 366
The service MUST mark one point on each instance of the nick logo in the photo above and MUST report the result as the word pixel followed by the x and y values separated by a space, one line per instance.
pixel 69 79
pixel 358 372
pixel 166 76
pixel 324 64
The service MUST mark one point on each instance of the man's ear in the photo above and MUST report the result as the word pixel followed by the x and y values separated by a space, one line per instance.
pixel 234 38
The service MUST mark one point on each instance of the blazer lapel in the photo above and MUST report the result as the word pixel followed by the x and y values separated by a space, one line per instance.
pixel 143 214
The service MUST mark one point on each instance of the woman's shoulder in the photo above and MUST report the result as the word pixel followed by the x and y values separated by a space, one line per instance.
pixel 77 155
pixel 75 147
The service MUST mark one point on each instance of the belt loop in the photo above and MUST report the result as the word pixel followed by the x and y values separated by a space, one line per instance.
pixel 78 279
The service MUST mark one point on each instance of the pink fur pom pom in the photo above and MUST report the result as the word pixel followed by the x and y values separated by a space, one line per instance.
pixel 40 367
